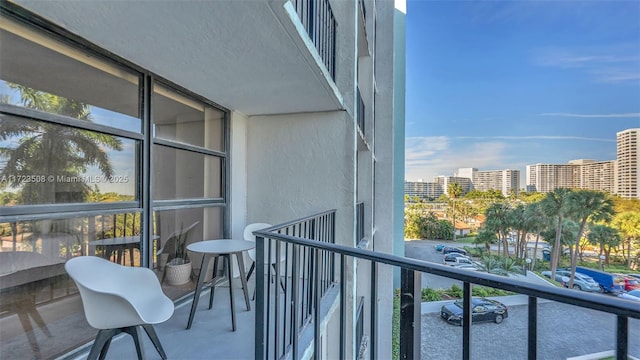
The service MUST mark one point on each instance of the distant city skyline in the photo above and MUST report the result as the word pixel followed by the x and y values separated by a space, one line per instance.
pixel 504 84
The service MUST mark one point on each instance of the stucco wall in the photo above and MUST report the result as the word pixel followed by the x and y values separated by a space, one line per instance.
pixel 299 165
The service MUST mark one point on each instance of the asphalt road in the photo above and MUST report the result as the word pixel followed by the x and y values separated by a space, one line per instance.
pixel 563 330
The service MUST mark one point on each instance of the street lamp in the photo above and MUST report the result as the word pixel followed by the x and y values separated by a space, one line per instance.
pixel 602 257
pixel 528 261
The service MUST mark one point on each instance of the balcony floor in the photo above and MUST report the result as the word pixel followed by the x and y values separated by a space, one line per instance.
pixel 210 336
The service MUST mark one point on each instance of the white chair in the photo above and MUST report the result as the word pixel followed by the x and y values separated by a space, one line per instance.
pixel 248 235
pixel 119 299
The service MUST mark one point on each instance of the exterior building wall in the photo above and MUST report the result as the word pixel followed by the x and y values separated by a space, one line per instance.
pixel 423 190
pixel 507 181
pixel 444 181
pixel 628 176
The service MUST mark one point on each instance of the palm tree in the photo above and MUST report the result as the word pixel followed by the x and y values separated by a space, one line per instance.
pixel 57 152
pixel 536 221
pixel 499 222
pixel 556 205
pixel 454 190
pixel 587 205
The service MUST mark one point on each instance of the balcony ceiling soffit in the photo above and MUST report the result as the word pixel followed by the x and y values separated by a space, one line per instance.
pixel 236 53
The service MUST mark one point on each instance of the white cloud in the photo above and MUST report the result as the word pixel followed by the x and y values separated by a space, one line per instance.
pixel 428 157
pixel 623 115
pixel 617 63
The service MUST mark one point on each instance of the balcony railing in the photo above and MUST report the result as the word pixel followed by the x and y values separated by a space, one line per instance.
pixel 317 18
pixel 315 274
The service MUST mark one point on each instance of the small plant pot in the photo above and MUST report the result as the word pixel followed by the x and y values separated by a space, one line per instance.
pixel 177 274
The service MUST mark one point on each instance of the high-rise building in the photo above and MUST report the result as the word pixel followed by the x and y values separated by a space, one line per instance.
pixel 444 181
pixel 507 181
pixel 628 180
pixel 618 177
pixel 595 175
pixel 423 189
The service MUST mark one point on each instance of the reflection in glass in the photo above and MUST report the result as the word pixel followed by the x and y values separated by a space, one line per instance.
pixel 197 224
pixel 33 279
pixel 182 119
pixel 43 74
pixel 45 163
pixel 180 174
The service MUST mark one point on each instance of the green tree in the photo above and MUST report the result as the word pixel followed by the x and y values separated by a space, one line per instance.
pixel 628 225
pixel 485 237
pixel 556 205
pixel 52 150
pixel 537 221
pixel 606 237
pixel 498 221
pixel 454 190
pixel 587 205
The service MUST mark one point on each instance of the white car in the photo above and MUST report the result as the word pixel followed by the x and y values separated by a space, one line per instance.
pixel 631 295
pixel 466 266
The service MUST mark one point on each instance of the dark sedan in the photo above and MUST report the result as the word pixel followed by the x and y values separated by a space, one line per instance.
pixel 481 309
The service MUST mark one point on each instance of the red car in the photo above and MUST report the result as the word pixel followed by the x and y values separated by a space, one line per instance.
pixel 630 283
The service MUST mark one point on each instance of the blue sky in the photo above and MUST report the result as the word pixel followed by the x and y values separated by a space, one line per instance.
pixel 502 84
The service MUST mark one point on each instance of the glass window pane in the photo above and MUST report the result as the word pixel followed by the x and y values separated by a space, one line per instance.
pixel 34 284
pixel 45 163
pixel 180 174
pixel 40 73
pixel 178 118
pixel 196 224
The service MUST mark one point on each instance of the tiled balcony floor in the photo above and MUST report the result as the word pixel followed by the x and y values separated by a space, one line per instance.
pixel 210 336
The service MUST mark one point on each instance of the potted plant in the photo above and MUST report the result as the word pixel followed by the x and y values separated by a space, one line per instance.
pixel 178 269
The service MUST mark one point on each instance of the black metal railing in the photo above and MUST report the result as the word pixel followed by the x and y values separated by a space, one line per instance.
pixel 317 18
pixel 361 115
pixel 268 331
pixel 305 276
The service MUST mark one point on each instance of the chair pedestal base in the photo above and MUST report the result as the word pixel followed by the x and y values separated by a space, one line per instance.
pixel 104 337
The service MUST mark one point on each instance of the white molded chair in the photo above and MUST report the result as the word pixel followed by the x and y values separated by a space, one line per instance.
pixel 248 230
pixel 119 299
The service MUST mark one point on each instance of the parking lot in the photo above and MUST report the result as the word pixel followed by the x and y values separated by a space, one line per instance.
pixel 563 330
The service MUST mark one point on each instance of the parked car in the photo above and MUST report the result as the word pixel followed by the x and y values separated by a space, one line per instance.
pixel 455 254
pixel 580 282
pixel 637 276
pixel 451 249
pixel 471 266
pixel 631 295
pixel 439 247
pixel 630 283
pixel 611 283
pixel 482 310
pixel 455 260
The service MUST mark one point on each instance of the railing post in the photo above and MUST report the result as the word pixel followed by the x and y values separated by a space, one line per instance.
pixel 410 314
pixel 532 348
pixel 622 337
pixel 260 301
pixel 467 320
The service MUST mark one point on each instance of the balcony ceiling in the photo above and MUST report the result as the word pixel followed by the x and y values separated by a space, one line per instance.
pixel 244 55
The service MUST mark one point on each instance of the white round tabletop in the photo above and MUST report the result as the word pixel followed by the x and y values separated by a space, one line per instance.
pixel 221 246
